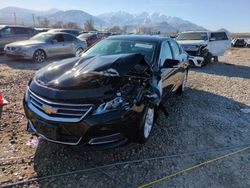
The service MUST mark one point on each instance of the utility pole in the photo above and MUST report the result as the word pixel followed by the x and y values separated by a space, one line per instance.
pixel 33 17
pixel 15 18
pixel 39 21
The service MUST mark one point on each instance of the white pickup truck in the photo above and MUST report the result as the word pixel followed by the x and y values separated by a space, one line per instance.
pixel 202 46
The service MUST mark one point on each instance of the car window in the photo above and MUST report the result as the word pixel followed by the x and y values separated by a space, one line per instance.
pixel 219 36
pixel 7 31
pixel 165 52
pixel 59 38
pixel 20 30
pixel 69 38
pixel 176 49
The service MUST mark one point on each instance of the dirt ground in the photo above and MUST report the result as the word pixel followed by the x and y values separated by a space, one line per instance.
pixel 211 117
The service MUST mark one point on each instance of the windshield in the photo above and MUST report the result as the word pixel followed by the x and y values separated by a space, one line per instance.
pixel 44 37
pixel 114 46
pixel 193 36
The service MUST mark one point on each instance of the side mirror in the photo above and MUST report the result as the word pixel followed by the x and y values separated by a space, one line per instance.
pixel 212 39
pixel 170 63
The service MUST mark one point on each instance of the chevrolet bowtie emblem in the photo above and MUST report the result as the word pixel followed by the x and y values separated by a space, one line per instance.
pixel 49 110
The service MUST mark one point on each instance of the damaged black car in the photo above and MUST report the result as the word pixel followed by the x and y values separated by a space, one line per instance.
pixel 109 95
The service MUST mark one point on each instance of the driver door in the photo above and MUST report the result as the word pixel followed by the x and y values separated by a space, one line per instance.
pixel 167 74
pixel 57 45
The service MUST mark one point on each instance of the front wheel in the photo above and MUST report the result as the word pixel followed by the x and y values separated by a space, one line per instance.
pixel 146 125
pixel 216 59
pixel 39 56
pixel 78 52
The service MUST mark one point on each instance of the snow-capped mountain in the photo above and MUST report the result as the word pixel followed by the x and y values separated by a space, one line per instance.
pixel 156 21
pixel 148 19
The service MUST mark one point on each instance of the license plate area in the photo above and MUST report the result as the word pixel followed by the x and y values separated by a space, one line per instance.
pixel 48 130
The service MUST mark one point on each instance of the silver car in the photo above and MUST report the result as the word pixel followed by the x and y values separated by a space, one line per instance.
pixel 46 45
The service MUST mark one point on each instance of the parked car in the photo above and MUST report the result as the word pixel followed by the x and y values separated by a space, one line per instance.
pixel 109 95
pixel 239 42
pixel 90 38
pixel 46 45
pixel 202 46
pixel 74 32
pixel 2 103
pixel 10 34
pixel 248 43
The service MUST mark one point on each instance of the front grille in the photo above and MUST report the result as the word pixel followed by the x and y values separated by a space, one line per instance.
pixel 54 111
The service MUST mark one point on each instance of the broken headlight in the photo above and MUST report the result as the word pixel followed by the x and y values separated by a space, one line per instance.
pixel 112 105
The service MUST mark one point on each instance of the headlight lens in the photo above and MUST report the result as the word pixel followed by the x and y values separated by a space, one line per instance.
pixel 115 104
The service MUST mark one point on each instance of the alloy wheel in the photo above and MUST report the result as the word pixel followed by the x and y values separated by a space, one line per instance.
pixel 149 120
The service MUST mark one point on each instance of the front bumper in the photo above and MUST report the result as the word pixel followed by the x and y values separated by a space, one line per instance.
pixel 17 54
pixel 100 131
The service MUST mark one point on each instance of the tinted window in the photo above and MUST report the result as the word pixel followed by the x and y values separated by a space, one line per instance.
pixel 20 30
pixel 59 38
pixel 219 36
pixel 7 31
pixel 69 38
pixel 176 49
pixel 165 52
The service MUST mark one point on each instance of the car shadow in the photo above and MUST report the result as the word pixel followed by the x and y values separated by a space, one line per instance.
pixel 22 64
pixel 197 120
pixel 225 69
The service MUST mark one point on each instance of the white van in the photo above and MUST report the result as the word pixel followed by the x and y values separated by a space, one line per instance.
pixel 202 46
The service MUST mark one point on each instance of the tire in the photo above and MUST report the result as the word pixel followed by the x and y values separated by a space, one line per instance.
pixel 146 125
pixel 39 56
pixel 182 87
pixel 78 52
pixel 216 59
pixel 208 58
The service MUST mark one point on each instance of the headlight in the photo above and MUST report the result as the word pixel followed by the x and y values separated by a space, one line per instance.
pixel 115 104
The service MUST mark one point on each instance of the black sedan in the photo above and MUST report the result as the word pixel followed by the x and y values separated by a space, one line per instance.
pixel 108 96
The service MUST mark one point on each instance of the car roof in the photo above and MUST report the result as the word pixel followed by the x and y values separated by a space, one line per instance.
pixel 64 30
pixel 57 32
pixel 147 38
pixel 2 26
pixel 202 31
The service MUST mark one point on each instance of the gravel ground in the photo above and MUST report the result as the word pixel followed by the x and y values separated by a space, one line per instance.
pixel 207 116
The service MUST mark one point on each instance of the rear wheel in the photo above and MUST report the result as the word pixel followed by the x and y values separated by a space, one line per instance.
pixel 146 125
pixel 39 56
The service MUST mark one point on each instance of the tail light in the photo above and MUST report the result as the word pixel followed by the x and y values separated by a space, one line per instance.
pixel 2 101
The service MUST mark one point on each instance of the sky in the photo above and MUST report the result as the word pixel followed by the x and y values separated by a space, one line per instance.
pixel 233 15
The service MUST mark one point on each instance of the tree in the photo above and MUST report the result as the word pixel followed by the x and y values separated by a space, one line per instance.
pixel 72 25
pixel 58 25
pixel 115 29
pixel 44 23
pixel 89 25
pixel 145 30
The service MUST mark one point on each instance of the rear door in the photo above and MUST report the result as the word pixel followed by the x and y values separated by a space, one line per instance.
pixel 219 43
pixel 179 69
pixel 70 44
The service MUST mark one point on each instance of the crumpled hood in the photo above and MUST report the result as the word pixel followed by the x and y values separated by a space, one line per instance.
pixel 192 42
pixel 25 42
pixel 89 72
